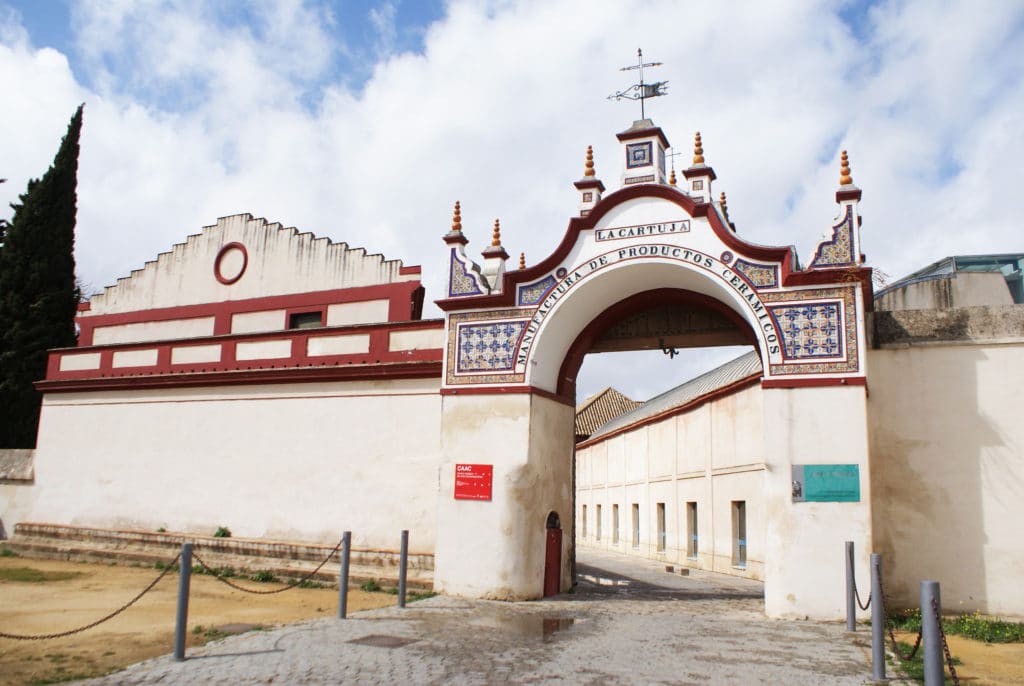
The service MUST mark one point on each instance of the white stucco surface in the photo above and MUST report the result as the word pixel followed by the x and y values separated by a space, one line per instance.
pixel 281 261
pixel 946 448
pixel 495 548
pixel 283 461
pixel 710 455
pixel 193 327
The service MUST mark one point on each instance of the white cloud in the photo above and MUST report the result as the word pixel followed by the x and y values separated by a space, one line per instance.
pixel 192 115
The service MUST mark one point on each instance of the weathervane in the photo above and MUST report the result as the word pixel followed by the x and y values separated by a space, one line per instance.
pixel 641 91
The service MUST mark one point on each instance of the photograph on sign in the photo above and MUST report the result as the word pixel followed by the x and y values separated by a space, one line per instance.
pixel 473 481
pixel 826 483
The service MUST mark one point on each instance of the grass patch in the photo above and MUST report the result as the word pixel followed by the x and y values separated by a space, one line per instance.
pixel 35 576
pixel 7 552
pixel 914 668
pixel 370 586
pixel 973 626
pixel 222 532
pixel 264 576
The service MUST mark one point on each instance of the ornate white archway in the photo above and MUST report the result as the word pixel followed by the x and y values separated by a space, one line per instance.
pixel 509 334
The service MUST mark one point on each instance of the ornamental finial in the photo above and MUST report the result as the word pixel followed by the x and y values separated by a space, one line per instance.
pixel 522 260
pixel 672 178
pixel 725 207
pixel 496 236
pixel 457 218
pixel 589 167
pixel 698 150
pixel 844 171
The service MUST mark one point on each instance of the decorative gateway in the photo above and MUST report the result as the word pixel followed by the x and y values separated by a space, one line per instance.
pixel 515 340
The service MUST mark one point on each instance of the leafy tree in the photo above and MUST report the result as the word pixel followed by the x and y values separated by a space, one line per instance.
pixel 38 296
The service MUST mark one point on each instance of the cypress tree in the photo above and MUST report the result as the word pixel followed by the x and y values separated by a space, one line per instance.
pixel 38 295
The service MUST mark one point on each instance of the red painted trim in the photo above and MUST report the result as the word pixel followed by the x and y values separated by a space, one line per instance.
pixel 220 256
pixel 629 306
pixel 734 387
pixel 589 183
pixel 399 370
pixel 84 306
pixel 379 352
pixel 696 172
pixel 852 194
pixel 402 297
pixel 406 271
pixel 579 224
pixel 643 133
pixel 807 382
pixel 507 390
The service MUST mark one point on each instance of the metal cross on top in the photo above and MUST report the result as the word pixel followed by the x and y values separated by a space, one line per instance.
pixel 641 91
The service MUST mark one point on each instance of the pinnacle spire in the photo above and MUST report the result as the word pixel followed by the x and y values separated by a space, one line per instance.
pixel 844 171
pixel 698 150
pixel 672 178
pixel 522 260
pixel 725 206
pixel 589 166
pixel 457 218
pixel 496 236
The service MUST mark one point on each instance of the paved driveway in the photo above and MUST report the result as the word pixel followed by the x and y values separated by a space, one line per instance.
pixel 629 622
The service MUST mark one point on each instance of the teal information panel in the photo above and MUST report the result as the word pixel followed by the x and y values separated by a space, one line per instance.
pixel 826 483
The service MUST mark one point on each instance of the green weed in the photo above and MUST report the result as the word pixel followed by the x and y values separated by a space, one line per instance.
pixel 35 576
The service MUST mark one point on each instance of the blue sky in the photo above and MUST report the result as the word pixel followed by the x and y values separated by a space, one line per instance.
pixel 365 121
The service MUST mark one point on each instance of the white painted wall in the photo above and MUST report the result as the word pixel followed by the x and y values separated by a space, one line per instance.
pixel 289 461
pixel 281 261
pixel 153 331
pixel 495 549
pixel 711 455
pixel 947 442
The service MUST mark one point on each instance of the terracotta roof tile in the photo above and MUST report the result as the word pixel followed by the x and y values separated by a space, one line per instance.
pixel 600 409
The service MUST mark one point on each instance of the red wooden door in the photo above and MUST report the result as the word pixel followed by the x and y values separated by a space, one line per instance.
pixel 552 562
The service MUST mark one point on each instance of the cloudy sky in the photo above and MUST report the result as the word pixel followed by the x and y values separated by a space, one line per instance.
pixel 365 121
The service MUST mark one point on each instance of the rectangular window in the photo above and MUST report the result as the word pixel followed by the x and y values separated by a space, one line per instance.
pixel 305 320
pixel 739 533
pixel 583 521
pixel 691 530
pixel 636 525
pixel 597 523
pixel 615 524
pixel 661 527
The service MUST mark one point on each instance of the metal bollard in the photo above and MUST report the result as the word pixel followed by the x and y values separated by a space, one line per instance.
pixel 877 620
pixel 931 642
pixel 851 602
pixel 346 547
pixel 403 562
pixel 184 581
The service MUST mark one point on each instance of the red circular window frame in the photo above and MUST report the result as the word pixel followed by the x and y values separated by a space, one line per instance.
pixel 220 257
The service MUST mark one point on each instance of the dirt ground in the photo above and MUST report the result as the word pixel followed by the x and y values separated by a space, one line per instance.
pixel 143 631
pixel 992 664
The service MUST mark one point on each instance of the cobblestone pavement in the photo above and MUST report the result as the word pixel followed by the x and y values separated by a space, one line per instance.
pixel 629 622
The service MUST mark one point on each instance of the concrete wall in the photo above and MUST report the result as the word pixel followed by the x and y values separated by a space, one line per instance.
pixel 961 289
pixel 286 461
pixel 16 479
pixel 947 442
pixel 711 455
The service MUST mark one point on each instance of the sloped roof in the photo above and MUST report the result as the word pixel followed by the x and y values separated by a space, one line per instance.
pixel 601 408
pixel 742 367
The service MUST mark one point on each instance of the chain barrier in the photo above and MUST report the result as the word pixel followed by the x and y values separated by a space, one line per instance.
pixel 856 592
pixel 892 635
pixel 945 644
pixel 62 634
pixel 288 587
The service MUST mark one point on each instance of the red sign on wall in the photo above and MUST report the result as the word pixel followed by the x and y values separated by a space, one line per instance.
pixel 473 481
